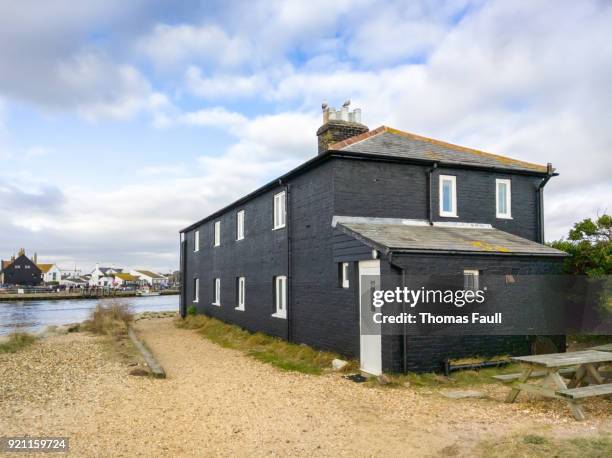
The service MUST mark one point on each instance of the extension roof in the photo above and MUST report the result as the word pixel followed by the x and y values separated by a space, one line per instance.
pixel 389 142
pixel 44 268
pixel 148 273
pixel 126 277
pixel 417 236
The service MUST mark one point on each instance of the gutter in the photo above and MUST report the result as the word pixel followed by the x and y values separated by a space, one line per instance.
pixel 540 197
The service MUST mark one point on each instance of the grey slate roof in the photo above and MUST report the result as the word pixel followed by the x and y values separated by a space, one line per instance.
pixel 391 235
pixel 389 142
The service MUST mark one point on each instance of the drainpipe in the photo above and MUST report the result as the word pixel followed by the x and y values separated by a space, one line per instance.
pixel 289 260
pixel 404 310
pixel 429 174
pixel 540 195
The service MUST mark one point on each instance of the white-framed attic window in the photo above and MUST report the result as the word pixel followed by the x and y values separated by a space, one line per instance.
pixel 280 210
pixel 503 198
pixel 448 195
pixel 196 241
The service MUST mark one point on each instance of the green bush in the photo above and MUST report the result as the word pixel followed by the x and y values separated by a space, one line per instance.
pixel 191 310
pixel 16 342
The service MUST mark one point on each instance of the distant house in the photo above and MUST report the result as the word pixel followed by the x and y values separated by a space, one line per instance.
pixel 123 280
pixel 103 276
pixel 71 273
pixel 50 272
pixel 20 270
pixel 74 282
pixel 151 278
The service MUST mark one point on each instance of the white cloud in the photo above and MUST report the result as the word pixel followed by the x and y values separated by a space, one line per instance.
pixel 124 222
pixel 224 86
pixel 214 117
pixel 171 45
pixel 525 79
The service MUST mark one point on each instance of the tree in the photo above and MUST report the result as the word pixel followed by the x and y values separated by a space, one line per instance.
pixel 589 245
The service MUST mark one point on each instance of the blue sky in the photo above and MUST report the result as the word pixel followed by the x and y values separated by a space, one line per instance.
pixel 121 122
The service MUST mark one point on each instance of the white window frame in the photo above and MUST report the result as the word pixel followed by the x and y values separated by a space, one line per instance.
pixel 240 225
pixel 453 179
pixel 508 213
pixel 280 296
pixel 241 293
pixel 345 275
pixel 196 241
pixel 217 233
pixel 280 210
pixel 476 275
pixel 217 292
pixel 196 289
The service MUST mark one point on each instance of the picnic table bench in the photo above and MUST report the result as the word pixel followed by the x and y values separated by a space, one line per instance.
pixel 552 385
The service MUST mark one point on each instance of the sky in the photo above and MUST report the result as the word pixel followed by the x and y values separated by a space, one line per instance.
pixel 123 122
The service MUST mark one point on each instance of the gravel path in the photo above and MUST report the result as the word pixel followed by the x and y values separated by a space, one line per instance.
pixel 218 402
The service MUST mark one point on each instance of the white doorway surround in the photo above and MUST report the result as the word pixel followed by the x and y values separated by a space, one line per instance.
pixel 370 347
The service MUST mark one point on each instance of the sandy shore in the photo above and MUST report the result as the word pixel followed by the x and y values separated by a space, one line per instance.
pixel 219 402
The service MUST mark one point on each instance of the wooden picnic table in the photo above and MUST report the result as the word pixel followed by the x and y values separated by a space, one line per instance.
pixel 554 386
pixel 606 347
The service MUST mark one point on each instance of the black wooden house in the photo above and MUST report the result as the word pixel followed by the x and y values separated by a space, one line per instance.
pixel 20 271
pixel 286 259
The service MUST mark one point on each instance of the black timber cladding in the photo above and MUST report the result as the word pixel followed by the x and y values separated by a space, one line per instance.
pixel 323 314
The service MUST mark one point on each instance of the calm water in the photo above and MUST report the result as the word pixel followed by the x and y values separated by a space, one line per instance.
pixel 33 316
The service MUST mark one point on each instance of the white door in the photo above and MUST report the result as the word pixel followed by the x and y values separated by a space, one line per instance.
pixel 370 340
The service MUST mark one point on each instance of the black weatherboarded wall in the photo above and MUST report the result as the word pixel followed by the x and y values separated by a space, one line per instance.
pixel 321 313
pixel 428 353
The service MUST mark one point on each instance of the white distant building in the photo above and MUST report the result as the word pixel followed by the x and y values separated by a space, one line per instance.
pixel 74 282
pixel 103 276
pixel 125 280
pixel 50 272
pixel 151 278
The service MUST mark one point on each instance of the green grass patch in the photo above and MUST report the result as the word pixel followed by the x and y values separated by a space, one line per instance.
pixel 458 379
pixel 532 445
pixel 17 341
pixel 268 349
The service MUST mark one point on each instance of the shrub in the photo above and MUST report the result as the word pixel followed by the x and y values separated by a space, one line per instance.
pixel 112 319
pixel 17 341
pixel 191 310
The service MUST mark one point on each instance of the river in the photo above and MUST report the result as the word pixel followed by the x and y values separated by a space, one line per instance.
pixel 32 316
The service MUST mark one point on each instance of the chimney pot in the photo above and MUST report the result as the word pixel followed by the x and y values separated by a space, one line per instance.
pixel 339 125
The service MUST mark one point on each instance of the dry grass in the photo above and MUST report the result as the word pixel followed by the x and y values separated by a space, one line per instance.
pixel 17 341
pixel 532 445
pixel 272 350
pixel 112 319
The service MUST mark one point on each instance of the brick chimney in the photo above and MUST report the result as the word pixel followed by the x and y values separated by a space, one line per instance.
pixel 339 125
